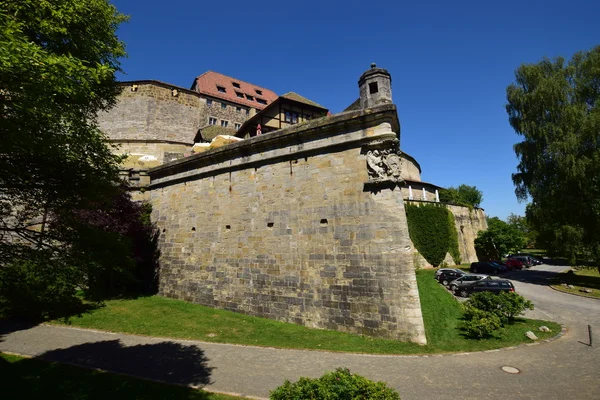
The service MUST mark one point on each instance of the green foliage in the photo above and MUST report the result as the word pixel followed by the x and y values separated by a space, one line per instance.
pixel 555 106
pixel 57 66
pixel 340 384
pixel 521 224
pixel 432 230
pixel 499 239
pixel 480 324
pixel 463 195
pixel 506 305
pixel 453 240
pixel 38 289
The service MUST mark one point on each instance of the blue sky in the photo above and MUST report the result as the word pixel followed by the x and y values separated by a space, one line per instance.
pixel 450 61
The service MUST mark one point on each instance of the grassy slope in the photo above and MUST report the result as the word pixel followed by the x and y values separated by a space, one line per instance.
pixel 157 316
pixel 584 278
pixel 25 378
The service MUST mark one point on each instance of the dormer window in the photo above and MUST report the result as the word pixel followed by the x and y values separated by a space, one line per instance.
pixel 251 98
pixel 261 101
pixel 258 92
pixel 240 95
pixel 221 89
pixel 235 85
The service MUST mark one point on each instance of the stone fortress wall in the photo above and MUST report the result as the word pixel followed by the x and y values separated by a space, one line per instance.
pixel 288 226
pixel 298 225
pixel 153 118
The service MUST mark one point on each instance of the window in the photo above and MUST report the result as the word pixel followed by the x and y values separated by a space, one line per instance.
pixel 307 117
pixel 237 126
pixel 247 111
pixel 238 109
pixel 209 102
pixel 249 97
pixel 240 95
pixel 212 121
pixel 373 88
pixel 291 117
pixel 224 123
pixel 223 106
pixel 235 85
pixel 221 89
pixel 261 101
pixel 258 92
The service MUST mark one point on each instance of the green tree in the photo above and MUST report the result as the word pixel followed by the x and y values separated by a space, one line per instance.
pixel 499 239
pixel 464 195
pixel 555 106
pixel 57 71
pixel 520 222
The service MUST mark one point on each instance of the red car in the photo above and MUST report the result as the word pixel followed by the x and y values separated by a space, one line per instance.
pixel 513 264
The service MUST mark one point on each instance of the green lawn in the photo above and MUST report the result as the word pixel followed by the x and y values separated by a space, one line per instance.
pixel 24 378
pixel 585 278
pixel 158 316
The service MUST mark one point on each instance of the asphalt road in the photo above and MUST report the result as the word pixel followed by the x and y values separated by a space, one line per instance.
pixel 567 368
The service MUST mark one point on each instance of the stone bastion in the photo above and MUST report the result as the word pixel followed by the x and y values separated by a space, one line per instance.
pixel 304 225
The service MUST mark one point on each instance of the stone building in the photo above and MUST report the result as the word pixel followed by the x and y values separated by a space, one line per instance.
pixel 304 223
pixel 288 109
pixel 156 122
pixel 228 102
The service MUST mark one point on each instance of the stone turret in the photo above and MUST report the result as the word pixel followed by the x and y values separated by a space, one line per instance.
pixel 375 87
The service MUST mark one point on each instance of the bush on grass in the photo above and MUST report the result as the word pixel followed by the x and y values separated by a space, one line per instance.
pixel 340 384
pixel 480 324
pixel 506 306
pixel 38 289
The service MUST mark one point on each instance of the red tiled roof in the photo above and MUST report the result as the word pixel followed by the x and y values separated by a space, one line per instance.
pixel 209 82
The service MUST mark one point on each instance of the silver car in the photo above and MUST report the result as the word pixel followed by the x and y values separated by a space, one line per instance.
pixel 467 279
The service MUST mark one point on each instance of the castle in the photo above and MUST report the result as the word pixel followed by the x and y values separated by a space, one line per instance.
pixel 302 221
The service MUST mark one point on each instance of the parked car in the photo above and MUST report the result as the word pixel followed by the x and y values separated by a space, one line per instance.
pixel 448 276
pixel 487 268
pixel 513 264
pixel 466 279
pixel 526 260
pixel 500 265
pixel 439 271
pixel 487 285
pixel 533 260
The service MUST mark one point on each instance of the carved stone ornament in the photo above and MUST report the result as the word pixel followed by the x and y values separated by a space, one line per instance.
pixel 383 162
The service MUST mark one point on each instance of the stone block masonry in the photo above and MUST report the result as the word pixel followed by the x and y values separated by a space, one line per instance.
pixel 286 226
pixel 149 110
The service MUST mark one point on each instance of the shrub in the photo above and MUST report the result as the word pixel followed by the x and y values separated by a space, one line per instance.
pixel 431 228
pixel 340 384
pixel 38 289
pixel 480 324
pixel 506 306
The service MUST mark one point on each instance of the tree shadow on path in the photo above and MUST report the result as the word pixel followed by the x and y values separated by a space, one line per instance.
pixel 536 277
pixel 8 326
pixel 165 361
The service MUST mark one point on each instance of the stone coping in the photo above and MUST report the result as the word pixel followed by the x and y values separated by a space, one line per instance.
pixel 560 334
pixel 295 141
pixel 150 141
pixel 423 183
pixel 158 83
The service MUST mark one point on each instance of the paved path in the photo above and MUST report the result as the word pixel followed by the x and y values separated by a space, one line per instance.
pixel 563 369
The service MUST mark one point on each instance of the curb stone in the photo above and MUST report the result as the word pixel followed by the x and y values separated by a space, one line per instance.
pixel 574 294
pixel 562 332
